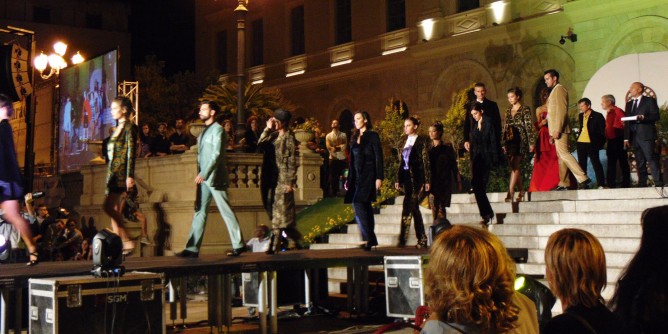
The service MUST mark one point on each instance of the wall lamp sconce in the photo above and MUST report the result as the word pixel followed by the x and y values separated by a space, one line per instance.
pixel 570 35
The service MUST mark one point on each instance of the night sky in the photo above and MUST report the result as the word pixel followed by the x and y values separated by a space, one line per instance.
pixel 166 29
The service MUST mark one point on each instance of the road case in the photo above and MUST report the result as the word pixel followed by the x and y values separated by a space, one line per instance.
pixel 403 284
pixel 84 304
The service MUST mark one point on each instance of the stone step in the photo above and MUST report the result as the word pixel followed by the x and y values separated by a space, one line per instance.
pixel 619 245
pixel 571 218
pixel 383 239
pixel 395 218
pixel 384 229
pixel 334 246
pixel 570 195
pixel 612 259
pixel 543 230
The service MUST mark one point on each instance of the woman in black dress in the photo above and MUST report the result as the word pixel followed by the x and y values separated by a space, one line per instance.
pixel 444 170
pixel 365 175
pixel 414 177
pixel 11 182
pixel 252 135
pixel 485 155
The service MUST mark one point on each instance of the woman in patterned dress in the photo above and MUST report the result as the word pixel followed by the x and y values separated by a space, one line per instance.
pixel 121 149
pixel 283 212
pixel 519 137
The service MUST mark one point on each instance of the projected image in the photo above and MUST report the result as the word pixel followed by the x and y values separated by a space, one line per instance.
pixel 86 91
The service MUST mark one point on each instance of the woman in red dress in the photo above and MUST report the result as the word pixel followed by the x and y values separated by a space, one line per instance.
pixel 545 174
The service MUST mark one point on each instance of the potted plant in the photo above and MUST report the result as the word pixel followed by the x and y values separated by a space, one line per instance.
pixel 305 132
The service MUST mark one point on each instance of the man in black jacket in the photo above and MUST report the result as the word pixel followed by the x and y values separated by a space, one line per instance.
pixel 491 112
pixel 591 139
pixel 641 133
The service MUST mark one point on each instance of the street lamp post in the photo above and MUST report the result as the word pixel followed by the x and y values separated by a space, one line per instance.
pixel 241 12
pixel 55 62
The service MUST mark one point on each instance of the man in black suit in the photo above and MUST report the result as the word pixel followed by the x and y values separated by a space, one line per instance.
pixel 491 113
pixel 641 133
pixel 591 139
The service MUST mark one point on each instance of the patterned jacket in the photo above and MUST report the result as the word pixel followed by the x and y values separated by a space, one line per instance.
pixel 122 149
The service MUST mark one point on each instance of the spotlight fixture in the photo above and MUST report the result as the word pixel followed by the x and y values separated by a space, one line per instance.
pixel 539 294
pixel 570 35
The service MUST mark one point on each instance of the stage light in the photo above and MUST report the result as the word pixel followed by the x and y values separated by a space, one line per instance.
pixel 539 294
pixel 107 254
pixel 41 62
pixel 60 48
pixel 77 58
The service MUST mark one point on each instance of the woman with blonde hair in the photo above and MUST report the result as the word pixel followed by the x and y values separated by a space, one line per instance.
pixel 576 272
pixel 469 285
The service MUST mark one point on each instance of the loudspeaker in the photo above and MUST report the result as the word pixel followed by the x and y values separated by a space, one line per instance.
pixel 107 250
pixel 14 76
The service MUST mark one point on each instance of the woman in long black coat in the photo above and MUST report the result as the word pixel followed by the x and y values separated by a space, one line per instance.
pixel 485 155
pixel 444 172
pixel 11 182
pixel 365 175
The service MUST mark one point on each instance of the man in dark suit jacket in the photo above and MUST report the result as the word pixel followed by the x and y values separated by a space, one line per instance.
pixel 591 138
pixel 491 113
pixel 641 133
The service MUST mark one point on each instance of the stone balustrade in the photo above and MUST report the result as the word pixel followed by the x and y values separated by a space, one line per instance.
pixel 167 190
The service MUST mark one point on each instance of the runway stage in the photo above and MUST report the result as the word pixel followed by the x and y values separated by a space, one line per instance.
pixel 14 277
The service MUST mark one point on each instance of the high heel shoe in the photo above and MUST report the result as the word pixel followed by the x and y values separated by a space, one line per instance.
pixel 35 261
pixel 128 247
pixel 509 197
pixel 520 197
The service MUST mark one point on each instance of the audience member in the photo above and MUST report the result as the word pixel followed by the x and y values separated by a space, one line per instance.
pixel 470 286
pixel 71 239
pixel 228 128
pixel 575 270
pixel 161 142
pixel 145 142
pixel 180 141
pixel 614 133
pixel 85 253
pixel 641 298
pixel 252 135
pixel 336 142
pixel 260 241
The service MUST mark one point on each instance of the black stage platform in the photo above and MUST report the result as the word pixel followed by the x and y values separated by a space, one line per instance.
pixel 14 277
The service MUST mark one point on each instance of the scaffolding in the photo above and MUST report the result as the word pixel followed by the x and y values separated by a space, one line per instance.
pixel 130 89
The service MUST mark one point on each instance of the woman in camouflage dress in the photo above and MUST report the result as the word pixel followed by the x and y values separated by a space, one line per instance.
pixel 283 211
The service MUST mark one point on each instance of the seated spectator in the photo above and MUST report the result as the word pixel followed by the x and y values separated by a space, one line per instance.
pixel 52 240
pixel 180 140
pixel 260 240
pixel 145 142
pixel 575 270
pixel 161 141
pixel 469 286
pixel 88 230
pixel 85 253
pixel 641 299
pixel 70 240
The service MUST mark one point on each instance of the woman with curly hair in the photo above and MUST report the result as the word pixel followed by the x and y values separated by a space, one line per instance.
pixel 575 270
pixel 469 285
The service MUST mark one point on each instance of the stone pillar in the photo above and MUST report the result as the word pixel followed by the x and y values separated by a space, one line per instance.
pixel 308 177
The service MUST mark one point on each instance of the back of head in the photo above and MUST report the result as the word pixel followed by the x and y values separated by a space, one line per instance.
pixel 6 102
pixel 470 280
pixel 575 264
pixel 642 292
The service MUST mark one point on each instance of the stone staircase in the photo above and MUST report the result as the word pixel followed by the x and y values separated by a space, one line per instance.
pixel 612 215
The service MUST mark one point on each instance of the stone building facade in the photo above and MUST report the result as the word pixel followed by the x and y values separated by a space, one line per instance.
pixel 442 47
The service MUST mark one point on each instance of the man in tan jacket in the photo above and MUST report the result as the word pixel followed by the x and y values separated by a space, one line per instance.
pixel 557 123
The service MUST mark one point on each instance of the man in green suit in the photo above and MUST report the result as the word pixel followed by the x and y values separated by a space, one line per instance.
pixel 212 182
